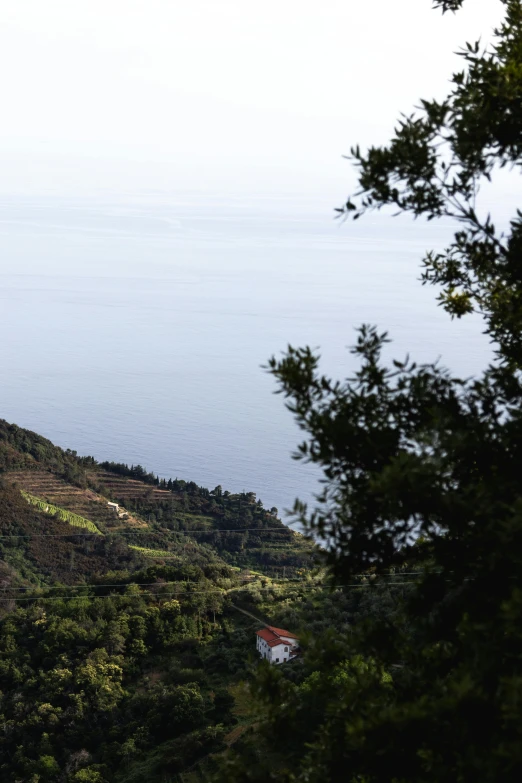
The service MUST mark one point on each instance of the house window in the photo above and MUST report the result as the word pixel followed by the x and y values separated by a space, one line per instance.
pixel 286 649
pixel 277 660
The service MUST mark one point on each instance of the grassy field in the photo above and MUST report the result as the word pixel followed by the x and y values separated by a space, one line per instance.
pixel 154 552
pixel 66 516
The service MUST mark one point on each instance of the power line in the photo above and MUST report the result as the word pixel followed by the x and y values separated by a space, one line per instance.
pixel 143 593
pixel 96 597
pixel 185 594
pixel 149 532
pixel 245 580
pixel 88 586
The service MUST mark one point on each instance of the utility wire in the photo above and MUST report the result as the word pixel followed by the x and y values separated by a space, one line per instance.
pixel 149 532
pixel 245 580
pixel 97 597
pixel 185 594
pixel 88 586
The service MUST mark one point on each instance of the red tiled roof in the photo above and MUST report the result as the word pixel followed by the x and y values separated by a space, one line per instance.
pixel 282 632
pixel 267 635
pixel 272 636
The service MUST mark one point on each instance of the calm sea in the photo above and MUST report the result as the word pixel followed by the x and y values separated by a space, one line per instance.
pixel 134 328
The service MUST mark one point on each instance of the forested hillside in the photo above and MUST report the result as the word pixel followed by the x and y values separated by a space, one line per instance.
pixel 122 652
pixel 163 519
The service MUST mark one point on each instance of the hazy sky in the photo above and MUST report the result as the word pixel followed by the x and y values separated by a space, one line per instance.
pixel 212 94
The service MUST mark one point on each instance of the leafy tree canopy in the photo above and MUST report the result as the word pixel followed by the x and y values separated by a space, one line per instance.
pixel 422 471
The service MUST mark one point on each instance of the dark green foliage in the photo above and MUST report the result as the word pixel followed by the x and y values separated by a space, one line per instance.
pixel 21 448
pixel 230 521
pixel 448 5
pixel 431 691
pixel 434 166
pixel 173 756
pixel 86 685
pixel 128 679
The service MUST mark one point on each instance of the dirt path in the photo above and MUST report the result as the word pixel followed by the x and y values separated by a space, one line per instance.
pixel 249 614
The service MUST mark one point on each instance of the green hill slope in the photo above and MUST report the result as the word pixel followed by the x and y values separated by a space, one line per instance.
pixel 120 645
pixel 162 518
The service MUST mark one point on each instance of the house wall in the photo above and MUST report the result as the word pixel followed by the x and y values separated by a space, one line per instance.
pixel 279 653
pixel 263 648
pixel 289 640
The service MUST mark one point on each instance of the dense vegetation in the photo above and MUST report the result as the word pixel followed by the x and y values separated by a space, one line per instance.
pixel 432 691
pixel 120 643
pixel 133 678
pixel 21 448
pixel 119 640
pixel 92 683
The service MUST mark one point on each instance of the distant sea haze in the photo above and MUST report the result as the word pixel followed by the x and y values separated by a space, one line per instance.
pixel 135 328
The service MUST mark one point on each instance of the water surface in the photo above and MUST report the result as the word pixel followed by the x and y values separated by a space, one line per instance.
pixel 134 329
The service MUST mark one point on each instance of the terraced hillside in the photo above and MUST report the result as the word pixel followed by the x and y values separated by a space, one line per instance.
pixel 125 489
pixel 174 515
pixel 84 502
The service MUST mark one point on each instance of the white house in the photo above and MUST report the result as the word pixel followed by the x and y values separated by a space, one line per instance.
pixel 276 644
pixel 118 510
